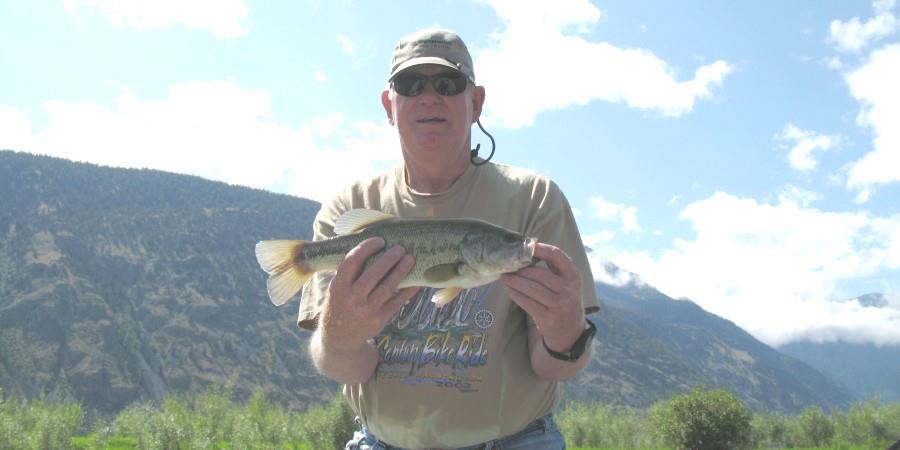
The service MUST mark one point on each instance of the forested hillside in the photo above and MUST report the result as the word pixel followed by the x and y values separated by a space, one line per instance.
pixel 121 285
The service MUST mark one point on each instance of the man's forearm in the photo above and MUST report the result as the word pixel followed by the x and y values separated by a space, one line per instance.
pixel 346 364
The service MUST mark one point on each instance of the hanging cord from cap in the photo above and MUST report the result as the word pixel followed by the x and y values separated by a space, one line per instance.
pixel 474 153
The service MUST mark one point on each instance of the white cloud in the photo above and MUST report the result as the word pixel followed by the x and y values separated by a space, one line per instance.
pixel 346 44
pixel 329 124
pixel 805 142
pixel 222 18
pixel 615 212
pixel 855 35
pixel 600 238
pixel 796 195
pixel 15 128
pixel 834 63
pixel 319 76
pixel 538 51
pixel 776 269
pixel 609 273
pixel 676 199
pixel 215 130
pixel 360 55
pixel 875 86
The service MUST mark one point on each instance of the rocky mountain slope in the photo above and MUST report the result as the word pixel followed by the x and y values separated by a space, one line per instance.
pixel 121 285
pixel 870 371
pixel 692 346
pixel 124 285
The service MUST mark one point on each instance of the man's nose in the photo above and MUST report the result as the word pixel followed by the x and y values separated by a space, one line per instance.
pixel 429 94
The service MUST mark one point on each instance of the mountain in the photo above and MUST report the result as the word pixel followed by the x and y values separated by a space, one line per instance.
pixel 663 346
pixel 120 285
pixel 868 370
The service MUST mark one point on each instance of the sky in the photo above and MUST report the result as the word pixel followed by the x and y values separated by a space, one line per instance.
pixel 743 155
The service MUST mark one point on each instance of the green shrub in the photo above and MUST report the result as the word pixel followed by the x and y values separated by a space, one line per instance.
pixel 327 426
pixel 264 424
pixel 600 426
pixel 11 426
pixel 213 418
pixel 868 423
pixel 151 427
pixel 39 424
pixel 812 428
pixel 211 421
pixel 771 431
pixel 703 420
pixel 578 423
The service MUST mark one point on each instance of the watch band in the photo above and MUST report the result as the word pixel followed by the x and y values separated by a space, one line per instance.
pixel 578 348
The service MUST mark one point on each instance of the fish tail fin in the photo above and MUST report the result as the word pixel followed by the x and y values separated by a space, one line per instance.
pixel 286 276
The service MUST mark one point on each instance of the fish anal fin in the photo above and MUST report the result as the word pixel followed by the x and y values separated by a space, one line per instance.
pixel 444 296
pixel 356 219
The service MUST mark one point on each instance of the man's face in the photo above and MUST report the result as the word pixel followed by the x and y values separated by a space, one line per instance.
pixel 431 122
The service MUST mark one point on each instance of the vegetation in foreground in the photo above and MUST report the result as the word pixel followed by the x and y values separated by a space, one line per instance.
pixel 702 419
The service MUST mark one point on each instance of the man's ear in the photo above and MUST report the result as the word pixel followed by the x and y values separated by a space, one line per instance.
pixel 477 102
pixel 386 103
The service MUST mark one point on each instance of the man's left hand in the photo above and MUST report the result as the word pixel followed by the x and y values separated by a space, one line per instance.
pixel 551 296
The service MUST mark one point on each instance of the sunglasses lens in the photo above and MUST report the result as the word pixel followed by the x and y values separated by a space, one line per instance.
pixel 448 85
pixel 413 84
pixel 410 85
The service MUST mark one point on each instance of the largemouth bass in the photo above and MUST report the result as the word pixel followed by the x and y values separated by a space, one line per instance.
pixel 450 254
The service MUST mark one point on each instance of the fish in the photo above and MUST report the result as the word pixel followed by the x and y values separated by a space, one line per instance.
pixel 450 254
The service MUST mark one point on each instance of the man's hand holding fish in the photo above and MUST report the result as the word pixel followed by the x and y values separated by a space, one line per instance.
pixel 361 300
pixel 552 297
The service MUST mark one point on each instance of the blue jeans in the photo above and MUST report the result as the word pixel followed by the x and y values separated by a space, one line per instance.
pixel 542 434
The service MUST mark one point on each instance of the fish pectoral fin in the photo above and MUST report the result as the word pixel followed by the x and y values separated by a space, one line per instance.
pixel 356 219
pixel 444 296
pixel 442 272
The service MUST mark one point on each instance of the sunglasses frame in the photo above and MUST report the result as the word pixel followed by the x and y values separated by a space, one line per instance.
pixel 453 78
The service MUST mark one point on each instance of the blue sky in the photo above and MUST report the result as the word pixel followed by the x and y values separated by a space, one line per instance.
pixel 743 155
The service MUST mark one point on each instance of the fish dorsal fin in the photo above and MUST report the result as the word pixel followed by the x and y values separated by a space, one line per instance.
pixel 356 219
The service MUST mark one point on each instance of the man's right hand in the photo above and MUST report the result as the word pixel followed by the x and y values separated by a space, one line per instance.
pixel 362 298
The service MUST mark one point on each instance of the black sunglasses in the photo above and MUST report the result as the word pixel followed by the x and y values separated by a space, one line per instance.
pixel 446 83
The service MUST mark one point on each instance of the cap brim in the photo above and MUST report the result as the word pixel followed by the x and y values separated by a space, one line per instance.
pixel 425 60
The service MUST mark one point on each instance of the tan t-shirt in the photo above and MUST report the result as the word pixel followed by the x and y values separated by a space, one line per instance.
pixel 458 375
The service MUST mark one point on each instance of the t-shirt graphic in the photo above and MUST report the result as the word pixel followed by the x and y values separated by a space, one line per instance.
pixel 425 344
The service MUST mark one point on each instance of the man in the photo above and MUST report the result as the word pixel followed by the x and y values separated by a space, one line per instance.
pixel 484 369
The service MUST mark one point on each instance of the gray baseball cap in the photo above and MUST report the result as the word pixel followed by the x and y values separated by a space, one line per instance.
pixel 432 46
